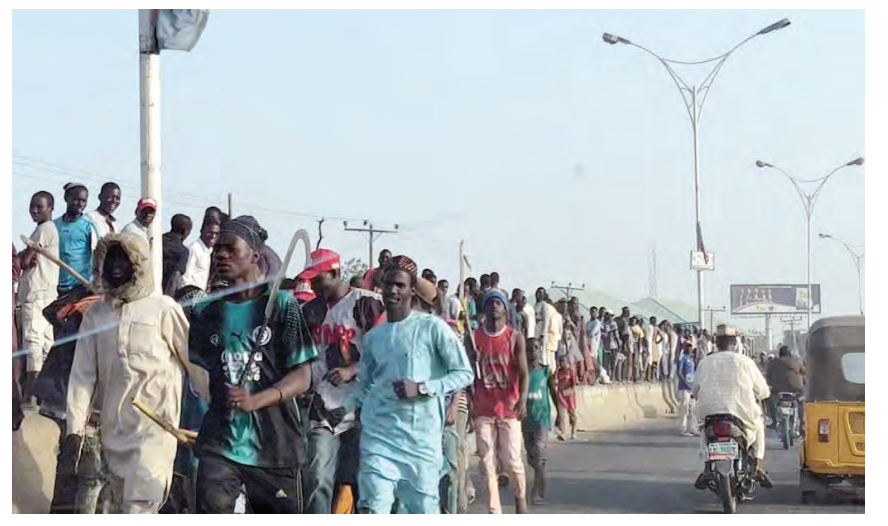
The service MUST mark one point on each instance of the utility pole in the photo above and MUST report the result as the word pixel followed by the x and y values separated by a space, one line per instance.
pixel 374 234
pixel 652 274
pixel 711 311
pixel 567 289
pixel 149 95
pixel 792 321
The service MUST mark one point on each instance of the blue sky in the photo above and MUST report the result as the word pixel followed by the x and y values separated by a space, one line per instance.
pixel 553 154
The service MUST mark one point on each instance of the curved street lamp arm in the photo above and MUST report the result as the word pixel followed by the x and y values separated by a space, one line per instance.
pixel 806 200
pixel 823 182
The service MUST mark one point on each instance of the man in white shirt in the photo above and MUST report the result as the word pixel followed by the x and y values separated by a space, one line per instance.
pixel 727 382
pixel 593 334
pixel 200 256
pixel 102 217
pixel 141 225
pixel 38 286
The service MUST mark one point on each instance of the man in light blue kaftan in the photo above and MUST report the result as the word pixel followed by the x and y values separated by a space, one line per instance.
pixel 407 368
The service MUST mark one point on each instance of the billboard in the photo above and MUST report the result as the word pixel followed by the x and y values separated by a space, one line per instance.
pixel 773 299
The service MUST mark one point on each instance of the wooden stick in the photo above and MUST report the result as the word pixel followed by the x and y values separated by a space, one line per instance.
pixel 182 435
pixel 40 250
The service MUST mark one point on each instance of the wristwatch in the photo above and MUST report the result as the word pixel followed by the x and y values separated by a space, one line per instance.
pixel 422 388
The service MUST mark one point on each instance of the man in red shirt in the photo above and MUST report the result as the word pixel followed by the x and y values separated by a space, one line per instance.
pixel 500 399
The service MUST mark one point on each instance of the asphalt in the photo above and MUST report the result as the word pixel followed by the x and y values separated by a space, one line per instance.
pixel 648 467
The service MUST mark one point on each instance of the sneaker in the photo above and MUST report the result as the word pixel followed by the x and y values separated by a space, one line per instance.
pixel 686 434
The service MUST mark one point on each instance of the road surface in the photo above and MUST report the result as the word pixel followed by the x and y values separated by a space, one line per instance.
pixel 649 468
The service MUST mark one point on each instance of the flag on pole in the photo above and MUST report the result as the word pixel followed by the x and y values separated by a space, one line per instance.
pixel 180 29
pixel 700 246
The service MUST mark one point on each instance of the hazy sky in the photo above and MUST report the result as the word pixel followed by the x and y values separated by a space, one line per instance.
pixel 554 155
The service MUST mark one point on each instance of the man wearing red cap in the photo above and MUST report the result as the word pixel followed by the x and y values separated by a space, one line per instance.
pixel 338 319
pixel 141 225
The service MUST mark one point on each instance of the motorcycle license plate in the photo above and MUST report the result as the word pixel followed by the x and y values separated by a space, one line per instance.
pixel 723 450
pixel 787 410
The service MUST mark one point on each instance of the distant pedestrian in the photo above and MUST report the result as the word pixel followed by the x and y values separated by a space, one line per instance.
pixel 537 424
pixel 567 398
pixel 141 225
pixel 200 256
pixel 686 369
pixel 103 216
pixel 175 254
pixel 38 288
pixel 77 239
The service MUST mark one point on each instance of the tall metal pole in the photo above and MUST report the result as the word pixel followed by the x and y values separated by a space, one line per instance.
pixel 149 95
pixel 808 210
pixel 859 289
pixel 696 126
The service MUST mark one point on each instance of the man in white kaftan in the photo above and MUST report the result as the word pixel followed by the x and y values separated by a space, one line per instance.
pixel 133 346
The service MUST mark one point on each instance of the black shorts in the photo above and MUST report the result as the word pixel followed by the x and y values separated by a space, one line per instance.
pixel 269 490
pixel 536 440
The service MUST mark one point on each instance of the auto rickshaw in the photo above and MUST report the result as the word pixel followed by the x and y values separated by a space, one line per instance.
pixel 832 455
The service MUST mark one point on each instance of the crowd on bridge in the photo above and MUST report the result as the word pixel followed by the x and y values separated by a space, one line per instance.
pixel 338 394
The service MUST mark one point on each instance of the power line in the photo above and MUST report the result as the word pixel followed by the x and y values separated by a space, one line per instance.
pixel 34 163
pixel 371 238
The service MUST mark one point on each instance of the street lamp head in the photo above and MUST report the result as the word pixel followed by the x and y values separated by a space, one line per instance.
pixel 858 162
pixel 775 26
pixel 761 164
pixel 613 39
pixel 823 236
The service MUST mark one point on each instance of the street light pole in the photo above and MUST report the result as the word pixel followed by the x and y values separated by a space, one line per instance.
pixel 808 201
pixel 694 98
pixel 856 257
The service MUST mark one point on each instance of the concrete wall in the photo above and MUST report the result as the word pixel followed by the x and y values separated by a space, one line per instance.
pixel 611 406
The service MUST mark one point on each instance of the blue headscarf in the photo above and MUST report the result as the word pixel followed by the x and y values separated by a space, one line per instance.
pixel 495 294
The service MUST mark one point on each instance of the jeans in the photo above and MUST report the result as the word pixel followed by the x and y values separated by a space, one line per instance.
pixel 466 488
pixel 112 496
pixel 92 474
pixel 450 473
pixel 502 438
pixel 80 493
pixel 329 455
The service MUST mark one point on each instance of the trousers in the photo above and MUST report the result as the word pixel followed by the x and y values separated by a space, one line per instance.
pixel 501 437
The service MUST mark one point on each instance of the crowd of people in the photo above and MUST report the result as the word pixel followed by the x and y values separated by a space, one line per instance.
pixel 339 394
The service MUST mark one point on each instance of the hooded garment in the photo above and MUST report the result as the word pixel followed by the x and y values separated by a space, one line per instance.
pixel 134 344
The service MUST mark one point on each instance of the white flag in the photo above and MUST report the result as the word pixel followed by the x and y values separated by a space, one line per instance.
pixel 180 29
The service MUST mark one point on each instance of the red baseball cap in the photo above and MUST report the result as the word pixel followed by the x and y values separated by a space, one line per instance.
pixel 322 260
pixel 303 292
pixel 146 202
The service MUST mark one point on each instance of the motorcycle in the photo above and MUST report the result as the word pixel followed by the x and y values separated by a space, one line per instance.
pixel 730 470
pixel 787 419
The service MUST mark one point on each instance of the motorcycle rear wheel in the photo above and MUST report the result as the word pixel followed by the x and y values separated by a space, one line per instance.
pixel 726 494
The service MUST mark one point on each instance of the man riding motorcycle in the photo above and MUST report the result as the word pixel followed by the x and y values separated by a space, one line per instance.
pixel 786 374
pixel 728 382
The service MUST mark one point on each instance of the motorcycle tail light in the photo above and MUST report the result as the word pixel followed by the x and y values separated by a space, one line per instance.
pixel 721 428
pixel 823 430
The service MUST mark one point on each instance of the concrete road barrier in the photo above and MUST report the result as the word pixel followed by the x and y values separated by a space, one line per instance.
pixel 611 406
pixel 34 450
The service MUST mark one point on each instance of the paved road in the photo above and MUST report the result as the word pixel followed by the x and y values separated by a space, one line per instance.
pixel 649 468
